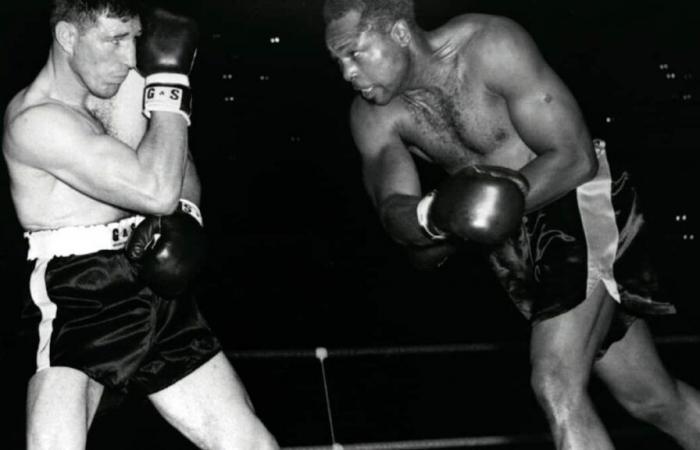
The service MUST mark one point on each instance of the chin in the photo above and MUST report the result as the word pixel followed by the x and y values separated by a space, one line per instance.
pixel 382 100
pixel 106 91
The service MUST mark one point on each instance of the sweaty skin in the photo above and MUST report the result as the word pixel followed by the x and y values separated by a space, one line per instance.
pixel 474 91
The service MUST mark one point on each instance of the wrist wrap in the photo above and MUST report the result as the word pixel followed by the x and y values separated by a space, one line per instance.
pixel 423 210
pixel 168 92
pixel 190 208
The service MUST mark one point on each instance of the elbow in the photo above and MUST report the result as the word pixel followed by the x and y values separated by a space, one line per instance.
pixel 160 201
pixel 160 207
pixel 582 168
pixel 166 208
pixel 165 205
pixel 588 168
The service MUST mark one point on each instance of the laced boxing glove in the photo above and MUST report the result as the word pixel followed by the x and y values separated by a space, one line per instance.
pixel 168 251
pixel 164 57
pixel 484 204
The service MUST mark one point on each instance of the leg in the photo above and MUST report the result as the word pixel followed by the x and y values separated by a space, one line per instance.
pixel 61 403
pixel 635 375
pixel 562 352
pixel 211 408
pixel 94 394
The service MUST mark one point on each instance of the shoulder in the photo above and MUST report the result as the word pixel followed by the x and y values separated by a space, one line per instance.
pixel 481 37
pixel 501 41
pixel 374 125
pixel 32 129
pixel 48 116
pixel 477 32
pixel 483 41
pixel 367 113
pixel 502 53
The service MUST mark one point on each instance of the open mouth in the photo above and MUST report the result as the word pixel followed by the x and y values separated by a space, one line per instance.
pixel 367 92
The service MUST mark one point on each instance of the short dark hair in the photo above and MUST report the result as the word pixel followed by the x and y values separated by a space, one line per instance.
pixel 380 12
pixel 84 13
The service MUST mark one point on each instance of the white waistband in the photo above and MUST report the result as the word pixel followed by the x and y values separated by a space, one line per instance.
pixel 80 240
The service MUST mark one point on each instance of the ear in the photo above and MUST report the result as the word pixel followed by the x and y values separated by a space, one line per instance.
pixel 66 34
pixel 401 33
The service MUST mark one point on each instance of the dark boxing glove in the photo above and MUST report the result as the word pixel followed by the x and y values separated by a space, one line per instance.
pixel 168 251
pixel 164 57
pixel 484 204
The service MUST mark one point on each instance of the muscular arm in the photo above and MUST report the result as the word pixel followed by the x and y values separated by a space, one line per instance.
pixel 191 186
pixel 64 143
pixel 543 111
pixel 391 179
pixel 389 173
pixel 123 119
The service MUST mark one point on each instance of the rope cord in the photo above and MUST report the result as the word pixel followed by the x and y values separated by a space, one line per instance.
pixel 476 441
pixel 416 349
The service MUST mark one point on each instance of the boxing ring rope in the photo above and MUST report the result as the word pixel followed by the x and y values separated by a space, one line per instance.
pixel 322 353
pixel 483 441
pixel 480 441
pixel 412 349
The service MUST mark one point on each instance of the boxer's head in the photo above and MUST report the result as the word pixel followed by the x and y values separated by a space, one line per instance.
pixel 97 37
pixel 370 40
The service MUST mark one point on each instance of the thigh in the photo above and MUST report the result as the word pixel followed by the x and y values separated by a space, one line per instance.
pixel 94 395
pixel 60 403
pixel 208 403
pixel 574 337
pixel 632 368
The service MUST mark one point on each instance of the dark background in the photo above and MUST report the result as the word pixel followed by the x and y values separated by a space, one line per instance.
pixel 299 259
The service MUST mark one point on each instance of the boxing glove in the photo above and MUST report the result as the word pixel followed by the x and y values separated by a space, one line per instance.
pixel 168 251
pixel 164 56
pixel 484 204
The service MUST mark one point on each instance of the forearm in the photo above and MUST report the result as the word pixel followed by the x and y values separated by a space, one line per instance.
pixel 163 154
pixel 552 176
pixel 165 54
pixel 191 186
pixel 398 216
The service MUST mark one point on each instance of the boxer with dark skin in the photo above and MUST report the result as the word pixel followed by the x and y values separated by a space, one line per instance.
pixel 476 92
pixel 85 168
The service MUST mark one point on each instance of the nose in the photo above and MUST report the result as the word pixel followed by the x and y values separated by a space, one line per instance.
pixel 128 55
pixel 349 71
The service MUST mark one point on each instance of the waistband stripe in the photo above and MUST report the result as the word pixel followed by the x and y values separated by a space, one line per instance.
pixel 80 240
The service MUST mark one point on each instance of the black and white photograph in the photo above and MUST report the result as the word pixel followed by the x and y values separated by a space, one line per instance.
pixel 350 225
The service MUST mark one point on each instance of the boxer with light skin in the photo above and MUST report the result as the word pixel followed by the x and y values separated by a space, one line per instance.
pixel 87 171
pixel 477 99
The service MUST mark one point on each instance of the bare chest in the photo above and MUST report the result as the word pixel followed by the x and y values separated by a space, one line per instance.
pixel 457 127
pixel 43 201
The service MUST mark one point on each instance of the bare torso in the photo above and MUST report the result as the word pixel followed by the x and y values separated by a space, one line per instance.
pixel 462 121
pixel 43 201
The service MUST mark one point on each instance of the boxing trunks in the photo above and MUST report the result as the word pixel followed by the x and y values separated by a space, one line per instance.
pixel 592 235
pixel 86 309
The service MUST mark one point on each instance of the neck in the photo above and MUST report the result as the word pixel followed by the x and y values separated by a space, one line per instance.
pixel 65 85
pixel 430 67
